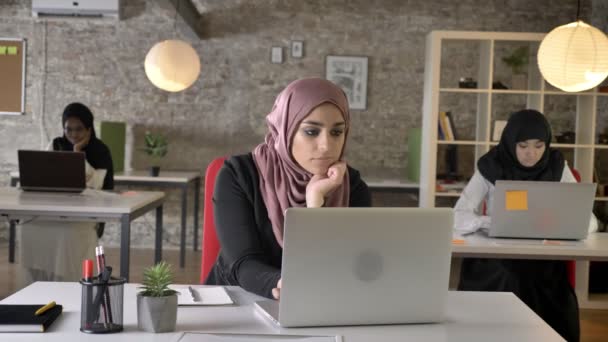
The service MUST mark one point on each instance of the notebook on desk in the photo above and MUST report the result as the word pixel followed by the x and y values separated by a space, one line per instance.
pixel 52 171
pixel 21 318
pixel 359 266
pixel 542 210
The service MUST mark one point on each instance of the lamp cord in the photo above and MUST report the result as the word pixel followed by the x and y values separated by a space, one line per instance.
pixel 177 10
pixel 578 10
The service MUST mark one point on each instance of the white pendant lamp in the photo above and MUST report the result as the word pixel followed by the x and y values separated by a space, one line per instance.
pixel 574 57
pixel 172 65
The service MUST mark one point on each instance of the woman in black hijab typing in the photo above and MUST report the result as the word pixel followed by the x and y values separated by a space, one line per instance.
pixel 52 250
pixel 524 153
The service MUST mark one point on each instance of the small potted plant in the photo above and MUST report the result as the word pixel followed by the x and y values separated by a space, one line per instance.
pixel 156 147
pixel 518 61
pixel 157 303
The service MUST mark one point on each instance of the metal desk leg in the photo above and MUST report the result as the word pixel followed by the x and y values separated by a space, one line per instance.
pixel 158 246
pixel 11 241
pixel 125 245
pixel 197 193
pixel 182 243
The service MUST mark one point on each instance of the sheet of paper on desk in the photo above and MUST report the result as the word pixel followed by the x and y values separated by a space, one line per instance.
pixel 224 337
pixel 209 295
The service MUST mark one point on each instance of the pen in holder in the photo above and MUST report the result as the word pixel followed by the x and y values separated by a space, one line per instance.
pixel 102 303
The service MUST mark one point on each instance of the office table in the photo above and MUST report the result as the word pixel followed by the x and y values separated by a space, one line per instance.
pixel 470 316
pixel 91 205
pixel 594 248
pixel 393 186
pixel 166 179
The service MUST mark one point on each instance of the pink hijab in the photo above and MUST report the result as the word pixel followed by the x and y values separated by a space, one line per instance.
pixel 282 180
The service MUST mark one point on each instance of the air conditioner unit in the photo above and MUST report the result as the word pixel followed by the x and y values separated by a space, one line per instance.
pixel 76 8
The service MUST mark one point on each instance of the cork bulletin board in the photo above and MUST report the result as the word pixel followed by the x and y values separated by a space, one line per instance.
pixel 12 76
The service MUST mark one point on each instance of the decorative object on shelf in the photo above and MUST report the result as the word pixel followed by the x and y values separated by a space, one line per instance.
pixel 467 82
pixel 603 89
pixel 350 74
pixel 567 137
pixel 157 303
pixel 602 138
pixel 276 55
pixel 156 146
pixel 517 61
pixel 499 126
pixel 172 65
pixel 574 57
pixel 499 85
pixel 297 49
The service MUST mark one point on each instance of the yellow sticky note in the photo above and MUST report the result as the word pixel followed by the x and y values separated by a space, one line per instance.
pixel 2 50
pixel 12 50
pixel 516 200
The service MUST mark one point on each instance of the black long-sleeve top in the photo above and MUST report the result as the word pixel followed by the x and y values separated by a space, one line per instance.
pixel 249 255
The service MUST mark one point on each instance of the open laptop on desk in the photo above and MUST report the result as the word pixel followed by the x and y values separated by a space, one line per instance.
pixel 357 266
pixel 55 171
pixel 542 210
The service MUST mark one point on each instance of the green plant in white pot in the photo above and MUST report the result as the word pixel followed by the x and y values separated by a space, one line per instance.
pixel 518 61
pixel 156 146
pixel 157 303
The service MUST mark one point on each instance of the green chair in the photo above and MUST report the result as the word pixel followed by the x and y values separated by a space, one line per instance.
pixel 113 134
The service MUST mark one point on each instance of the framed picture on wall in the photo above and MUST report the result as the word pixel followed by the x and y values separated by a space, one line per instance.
pixel 350 74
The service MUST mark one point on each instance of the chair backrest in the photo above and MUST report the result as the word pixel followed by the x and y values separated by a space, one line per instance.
pixel 571 265
pixel 113 134
pixel 210 244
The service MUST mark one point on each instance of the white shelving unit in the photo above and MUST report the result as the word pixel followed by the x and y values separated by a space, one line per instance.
pixel 441 83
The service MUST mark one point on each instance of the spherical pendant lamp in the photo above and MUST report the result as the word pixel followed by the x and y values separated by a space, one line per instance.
pixel 172 65
pixel 574 57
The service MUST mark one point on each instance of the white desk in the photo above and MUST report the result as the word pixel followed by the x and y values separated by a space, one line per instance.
pixel 594 248
pixel 91 205
pixel 393 186
pixel 167 179
pixel 471 316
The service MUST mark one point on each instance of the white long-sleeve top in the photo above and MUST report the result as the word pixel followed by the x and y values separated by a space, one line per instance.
pixel 468 212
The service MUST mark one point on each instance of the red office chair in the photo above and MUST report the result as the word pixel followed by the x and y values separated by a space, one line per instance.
pixel 571 265
pixel 210 245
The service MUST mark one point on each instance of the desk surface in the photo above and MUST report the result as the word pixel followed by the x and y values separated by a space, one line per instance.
pixel 90 201
pixel 595 247
pixel 470 316
pixel 144 176
pixel 163 176
pixel 391 183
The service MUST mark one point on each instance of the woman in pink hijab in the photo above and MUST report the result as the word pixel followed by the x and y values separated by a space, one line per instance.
pixel 299 164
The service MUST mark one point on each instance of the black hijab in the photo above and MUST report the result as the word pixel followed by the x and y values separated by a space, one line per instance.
pixel 501 163
pixel 97 153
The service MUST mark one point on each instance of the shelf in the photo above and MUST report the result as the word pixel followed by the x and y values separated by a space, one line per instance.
pixel 557 92
pixel 447 194
pixel 601 147
pixel 516 91
pixel 571 145
pixel 601 199
pixel 464 90
pixel 460 142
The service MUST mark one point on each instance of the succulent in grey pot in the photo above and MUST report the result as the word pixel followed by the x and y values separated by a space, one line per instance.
pixel 157 303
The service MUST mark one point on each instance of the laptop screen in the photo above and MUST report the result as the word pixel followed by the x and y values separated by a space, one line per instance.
pixel 51 170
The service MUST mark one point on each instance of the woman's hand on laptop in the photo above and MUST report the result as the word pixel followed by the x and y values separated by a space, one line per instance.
pixel 322 185
pixel 276 292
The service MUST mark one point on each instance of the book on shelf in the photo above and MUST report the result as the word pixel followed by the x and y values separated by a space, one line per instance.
pixel 446 126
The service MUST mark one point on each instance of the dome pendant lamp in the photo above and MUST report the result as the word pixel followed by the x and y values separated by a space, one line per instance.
pixel 172 65
pixel 574 57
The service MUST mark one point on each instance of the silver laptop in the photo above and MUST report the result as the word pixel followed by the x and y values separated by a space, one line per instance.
pixel 542 210
pixel 56 171
pixel 358 266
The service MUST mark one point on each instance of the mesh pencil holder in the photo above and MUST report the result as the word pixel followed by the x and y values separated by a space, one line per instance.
pixel 102 306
